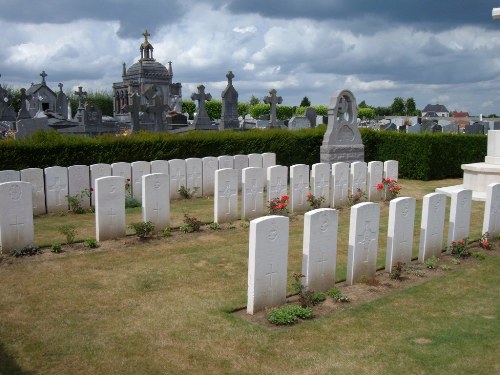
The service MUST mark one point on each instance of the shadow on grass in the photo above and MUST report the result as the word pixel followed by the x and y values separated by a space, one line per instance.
pixel 8 365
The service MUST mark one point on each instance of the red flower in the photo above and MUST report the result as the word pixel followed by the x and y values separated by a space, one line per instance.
pixel 91 189
pixel 284 198
pixel 309 196
pixel 380 186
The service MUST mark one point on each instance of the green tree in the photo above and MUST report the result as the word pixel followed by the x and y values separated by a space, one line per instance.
pixel 190 107
pixel 321 110
pixel 411 108
pixel 253 100
pixel 242 109
pixel 259 110
pixel 366 113
pixel 383 111
pixel 214 109
pixel 305 102
pixel 362 104
pixel 398 107
pixel 284 112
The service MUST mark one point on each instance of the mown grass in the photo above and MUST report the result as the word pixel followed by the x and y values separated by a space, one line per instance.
pixel 163 307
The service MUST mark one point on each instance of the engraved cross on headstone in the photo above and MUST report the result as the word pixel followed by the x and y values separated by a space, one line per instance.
pixel 226 194
pixel 322 185
pixel 16 226
pixel 270 275
pixel 367 238
pixel 278 188
pixel 111 216
pixel 272 100
pixel 57 188
pixel 322 264
pixel 301 188
pixel 252 192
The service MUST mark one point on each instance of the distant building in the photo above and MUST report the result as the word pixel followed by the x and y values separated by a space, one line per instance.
pixel 435 110
pixel 460 118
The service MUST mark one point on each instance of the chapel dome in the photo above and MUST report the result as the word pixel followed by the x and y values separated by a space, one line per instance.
pixel 150 69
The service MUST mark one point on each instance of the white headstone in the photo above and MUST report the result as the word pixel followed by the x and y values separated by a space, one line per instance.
pixel 255 160
pixel 226 195
pixel 177 169
pixel 252 192
pixel 156 200
pixel 340 184
pixel 35 177
pixel 400 231
pixel 391 169
pixel 97 171
pixel 78 183
pixel 267 263
pixel 299 187
pixel 363 241
pixel 277 182
pixel 9 175
pixel 358 177
pixel 160 166
pixel 268 160
pixel 56 189
pixel 210 165
pixel 109 207
pixel 320 182
pixel 431 228
pixel 374 177
pixel 320 248
pixel 460 212
pixel 16 219
pixel 240 162
pixel 122 169
pixel 194 176
pixel 139 169
pixel 226 161
pixel 491 221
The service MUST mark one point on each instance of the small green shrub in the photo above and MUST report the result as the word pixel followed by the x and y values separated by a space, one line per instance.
pixel 245 224
pixel 480 256
pixel 431 262
pixel 26 251
pixel 91 243
pixel 142 229
pixel 358 197
pixel 455 261
pixel 56 248
pixel 289 314
pixel 444 267
pixel 214 226
pixel 75 201
pixel 187 193
pixel 167 232
pixel 69 231
pixel 337 295
pixel 191 224
pixel 460 249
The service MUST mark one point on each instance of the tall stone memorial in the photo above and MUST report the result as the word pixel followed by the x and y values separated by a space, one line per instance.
pixel 229 112
pixel 342 141
pixel 273 100
pixel 201 120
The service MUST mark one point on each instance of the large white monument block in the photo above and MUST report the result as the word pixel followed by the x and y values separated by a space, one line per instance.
pixel 156 200
pixel 252 193
pixel 16 219
pixel 491 221
pixel 226 195
pixel 267 263
pixel 432 226
pixel 110 207
pixel 320 248
pixel 363 241
pixel 299 187
pixel 400 231
pixel 56 189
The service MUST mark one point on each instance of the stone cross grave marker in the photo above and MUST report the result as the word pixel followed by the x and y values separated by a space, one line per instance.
pixel 201 120
pixel 277 182
pixel 400 231
pixel 319 248
pixel 320 182
pixel 432 225
pixel 252 193
pixel 273 100
pixel 229 110
pixel 299 187
pixel 363 241
pixel 56 189
pixel 156 200
pixel 110 207
pixel 35 177
pixel 460 213
pixel 209 164
pixel 491 221
pixel 267 263
pixel 226 195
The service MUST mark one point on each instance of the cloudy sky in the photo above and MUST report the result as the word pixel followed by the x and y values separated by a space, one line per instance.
pixel 439 51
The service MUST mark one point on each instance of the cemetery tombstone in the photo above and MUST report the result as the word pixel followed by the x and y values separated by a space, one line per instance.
pixel 240 162
pixel 109 207
pixel 97 171
pixel 139 169
pixel 460 213
pixel 16 220
pixel 320 182
pixel 79 184
pixel 156 200
pixel 310 114
pixel 122 169
pixel 252 193
pixel 450 128
pixel 194 176
pixel 363 241
pixel 277 182
pixel 273 100
pixel 159 166
pixel 226 195
pixel 268 159
pixel 340 184
pixel 267 263
pixel 491 221
pixel 432 225
pixel 342 141
pixel 209 164
pixel 202 120
pixel 229 110
pixel 35 177
pixel 8 175
pixel 177 169
pixel 226 161
pixel 391 169
pixel 56 189
pixel 255 160
pixel 357 178
pixel 374 177
pixel 414 129
pixel 475 128
pixel 400 232
pixel 319 249
pixel 299 187
pixel 298 122
pixel 436 128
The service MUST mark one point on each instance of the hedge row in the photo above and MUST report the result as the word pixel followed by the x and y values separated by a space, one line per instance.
pixel 421 156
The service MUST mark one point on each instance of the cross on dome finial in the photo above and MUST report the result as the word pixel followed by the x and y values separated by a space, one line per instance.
pixel 146 34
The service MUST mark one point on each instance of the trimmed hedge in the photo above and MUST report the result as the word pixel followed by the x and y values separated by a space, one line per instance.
pixel 420 156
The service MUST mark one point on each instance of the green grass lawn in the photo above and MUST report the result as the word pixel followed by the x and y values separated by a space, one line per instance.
pixel 164 306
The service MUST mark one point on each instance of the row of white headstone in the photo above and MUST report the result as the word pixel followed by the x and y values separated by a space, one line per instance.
pixel 334 183
pixel 51 185
pixel 268 241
